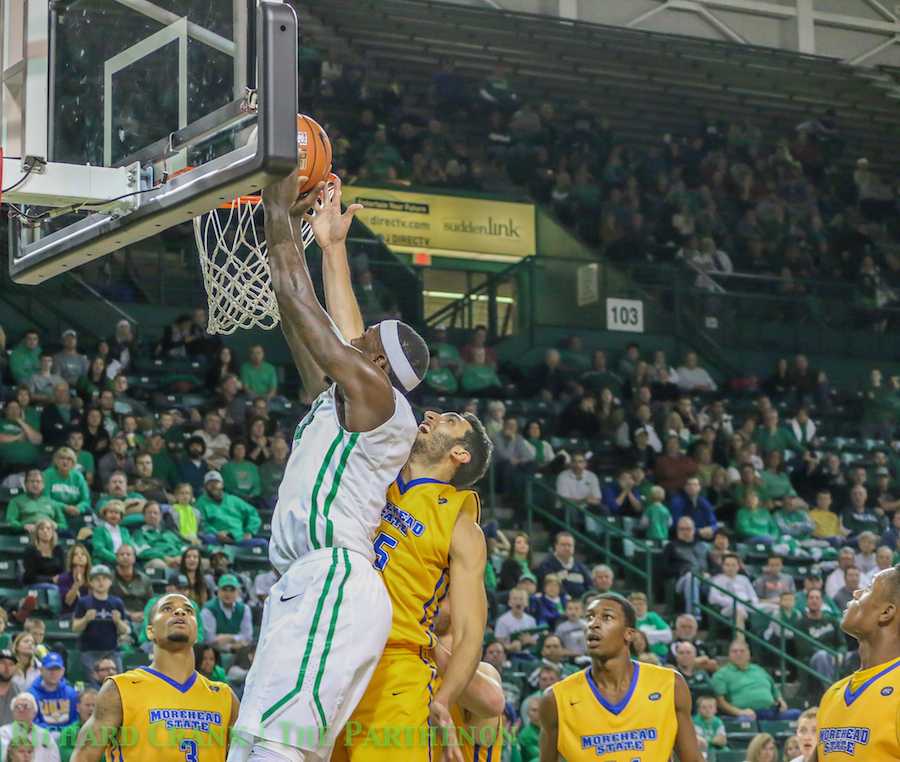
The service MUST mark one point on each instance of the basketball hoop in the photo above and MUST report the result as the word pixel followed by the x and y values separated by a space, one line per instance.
pixel 235 266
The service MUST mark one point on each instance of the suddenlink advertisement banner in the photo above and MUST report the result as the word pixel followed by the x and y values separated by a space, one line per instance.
pixel 415 221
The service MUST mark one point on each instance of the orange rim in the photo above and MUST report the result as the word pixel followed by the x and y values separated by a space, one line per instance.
pixel 237 201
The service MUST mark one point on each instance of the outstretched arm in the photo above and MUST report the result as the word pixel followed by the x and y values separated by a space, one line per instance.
pixel 468 606
pixel 331 228
pixel 686 739
pixel 102 728
pixel 368 396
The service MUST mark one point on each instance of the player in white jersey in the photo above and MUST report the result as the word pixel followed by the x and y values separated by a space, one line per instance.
pixel 327 618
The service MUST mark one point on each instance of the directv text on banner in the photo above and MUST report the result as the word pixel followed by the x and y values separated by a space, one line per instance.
pixel 450 223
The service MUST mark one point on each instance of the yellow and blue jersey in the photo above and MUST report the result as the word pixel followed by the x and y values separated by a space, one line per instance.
pixel 859 716
pixel 642 727
pixel 477 742
pixel 412 550
pixel 167 721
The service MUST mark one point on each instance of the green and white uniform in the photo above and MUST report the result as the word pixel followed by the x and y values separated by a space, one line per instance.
pixel 327 618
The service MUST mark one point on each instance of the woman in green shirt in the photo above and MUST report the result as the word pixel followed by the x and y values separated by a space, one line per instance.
pixel 65 484
pixel 755 523
pixel 239 475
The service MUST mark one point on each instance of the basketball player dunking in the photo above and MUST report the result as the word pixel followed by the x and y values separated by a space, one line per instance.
pixel 859 716
pixel 166 712
pixel 617 710
pixel 429 530
pixel 328 616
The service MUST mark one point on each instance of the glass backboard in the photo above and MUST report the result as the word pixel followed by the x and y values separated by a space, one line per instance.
pixel 105 102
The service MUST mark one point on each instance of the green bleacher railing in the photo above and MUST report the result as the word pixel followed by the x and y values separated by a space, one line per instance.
pixel 644 573
pixel 536 489
pixel 779 651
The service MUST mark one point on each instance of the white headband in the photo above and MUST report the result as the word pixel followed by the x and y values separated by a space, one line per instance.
pixel 390 340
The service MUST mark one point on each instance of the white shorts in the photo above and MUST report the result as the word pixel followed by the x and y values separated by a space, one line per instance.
pixel 323 631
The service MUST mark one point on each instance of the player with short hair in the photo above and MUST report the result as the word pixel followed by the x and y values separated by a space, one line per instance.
pixel 429 534
pixel 328 616
pixel 618 709
pixel 166 712
pixel 859 716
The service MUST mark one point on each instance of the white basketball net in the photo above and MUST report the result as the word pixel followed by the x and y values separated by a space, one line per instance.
pixel 235 265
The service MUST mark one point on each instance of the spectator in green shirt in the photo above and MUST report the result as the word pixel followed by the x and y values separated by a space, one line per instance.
pixel 772 436
pixel 156 546
pixel 258 376
pixel 31 413
pixel 109 534
pixel 226 518
pixel 438 379
pixel 25 359
pixel 84 460
pixel 744 689
pixel 480 377
pixel 164 466
pixel 24 510
pixel 755 523
pixel 239 475
pixel 66 485
pixel 529 737
pixel 18 440
pixel 658 633
pixel 710 726
pixel 776 484
pixel 657 517
pixel 448 354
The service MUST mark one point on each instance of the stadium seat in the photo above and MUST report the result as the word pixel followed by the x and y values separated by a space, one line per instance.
pixel 8 571
pixel 13 545
pixel 60 629
pixel 730 755
pixel 781 729
pixel 250 558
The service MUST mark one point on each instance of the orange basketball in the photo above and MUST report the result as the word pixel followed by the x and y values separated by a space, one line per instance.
pixel 314 152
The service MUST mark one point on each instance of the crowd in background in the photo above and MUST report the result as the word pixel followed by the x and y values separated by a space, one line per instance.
pixel 122 494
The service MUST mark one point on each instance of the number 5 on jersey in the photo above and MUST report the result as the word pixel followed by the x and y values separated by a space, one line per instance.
pixel 383 543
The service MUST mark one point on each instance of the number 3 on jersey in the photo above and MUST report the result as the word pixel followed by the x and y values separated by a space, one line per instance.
pixel 190 750
pixel 383 543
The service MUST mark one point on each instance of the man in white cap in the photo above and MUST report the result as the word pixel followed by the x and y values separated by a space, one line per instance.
pixel 328 617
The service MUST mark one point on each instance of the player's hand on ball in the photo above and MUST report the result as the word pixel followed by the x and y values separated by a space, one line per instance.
pixel 303 204
pixel 439 718
pixel 282 194
pixel 329 224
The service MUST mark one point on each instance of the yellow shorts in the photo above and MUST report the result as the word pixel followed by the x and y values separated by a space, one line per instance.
pixel 391 721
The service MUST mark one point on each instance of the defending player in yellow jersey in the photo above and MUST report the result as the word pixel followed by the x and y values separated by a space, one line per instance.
pixel 859 716
pixel 166 712
pixel 617 710
pixel 429 534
